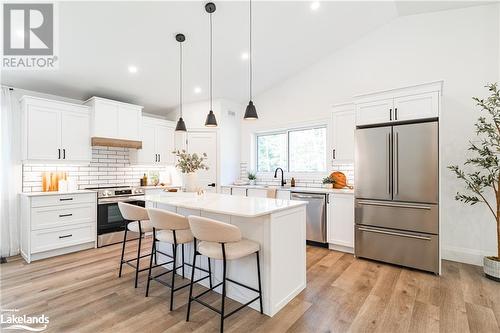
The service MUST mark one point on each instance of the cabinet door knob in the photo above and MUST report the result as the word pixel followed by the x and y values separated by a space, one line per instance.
pixel 59 153
pixel 159 157
pixel 333 154
pixel 211 185
pixel 390 114
pixel 64 153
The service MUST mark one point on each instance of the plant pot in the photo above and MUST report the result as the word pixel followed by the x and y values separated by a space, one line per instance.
pixel 190 181
pixel 491 268
pixel 252 181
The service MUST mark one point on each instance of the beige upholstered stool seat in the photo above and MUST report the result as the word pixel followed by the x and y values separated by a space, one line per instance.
pixel 234 250
pixel 182 236
pixel 146 226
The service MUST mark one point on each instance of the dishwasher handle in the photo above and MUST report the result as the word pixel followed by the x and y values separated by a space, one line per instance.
pixel 308 196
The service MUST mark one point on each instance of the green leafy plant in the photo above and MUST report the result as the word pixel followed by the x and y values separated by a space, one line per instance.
pixel 190 162
pixel 252 175
pixel 485 177
pixel 328 180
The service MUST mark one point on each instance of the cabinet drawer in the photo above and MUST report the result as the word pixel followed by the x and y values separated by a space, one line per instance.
pixel 49 239
pixel 51 216
pixel 401 248
pixel 63 199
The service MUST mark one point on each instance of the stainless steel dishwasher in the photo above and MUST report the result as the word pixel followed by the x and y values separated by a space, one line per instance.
pixel 316 215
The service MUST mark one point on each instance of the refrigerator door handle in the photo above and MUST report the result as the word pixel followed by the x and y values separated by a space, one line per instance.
pixel 393 233
pixel 397 205
pixel 389 163
pixel 396 160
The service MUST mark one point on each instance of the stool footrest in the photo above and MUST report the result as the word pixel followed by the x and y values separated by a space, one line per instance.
pixel 242 285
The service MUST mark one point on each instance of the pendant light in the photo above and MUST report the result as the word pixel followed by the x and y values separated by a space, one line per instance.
pixel 181 126
pixel 250 112
pixel 210 121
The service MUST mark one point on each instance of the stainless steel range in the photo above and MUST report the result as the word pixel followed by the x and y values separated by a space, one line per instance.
pixel 110 222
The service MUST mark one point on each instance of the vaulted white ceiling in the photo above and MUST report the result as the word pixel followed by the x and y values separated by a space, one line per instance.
pixel 99 40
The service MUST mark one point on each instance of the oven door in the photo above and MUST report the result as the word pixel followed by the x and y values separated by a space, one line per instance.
pixel 109 218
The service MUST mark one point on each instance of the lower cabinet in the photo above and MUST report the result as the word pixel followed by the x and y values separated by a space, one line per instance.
pixel 225 190
pixel 55 224
pixel 340 221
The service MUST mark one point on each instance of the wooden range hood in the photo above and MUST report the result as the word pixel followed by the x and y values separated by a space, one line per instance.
pixel 109 142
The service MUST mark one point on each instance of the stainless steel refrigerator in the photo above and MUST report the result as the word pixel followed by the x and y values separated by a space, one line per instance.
pixel 396 207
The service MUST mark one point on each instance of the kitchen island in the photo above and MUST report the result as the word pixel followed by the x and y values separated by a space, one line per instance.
pixel 279 226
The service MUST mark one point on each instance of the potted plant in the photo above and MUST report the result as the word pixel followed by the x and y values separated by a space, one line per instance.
pixel 328 182
pixel 189 164
pixel 252 177
pixel 483 180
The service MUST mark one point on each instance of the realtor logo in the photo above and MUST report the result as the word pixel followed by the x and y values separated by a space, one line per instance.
pixel 29 36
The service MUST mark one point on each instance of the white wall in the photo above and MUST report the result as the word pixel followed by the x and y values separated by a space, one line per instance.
pixel 460 47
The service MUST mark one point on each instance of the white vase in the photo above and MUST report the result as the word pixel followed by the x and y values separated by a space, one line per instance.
pixel 491 268
pixel 190 181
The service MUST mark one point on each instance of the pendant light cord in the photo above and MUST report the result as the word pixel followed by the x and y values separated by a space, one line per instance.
pixel 180 77
pixel 211 64
pixel 251 55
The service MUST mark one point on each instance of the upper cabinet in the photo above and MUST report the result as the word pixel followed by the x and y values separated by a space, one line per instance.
pixel 405 104
pixel 157 142
pixel 343 128
pixel 115 120
pixel 54 131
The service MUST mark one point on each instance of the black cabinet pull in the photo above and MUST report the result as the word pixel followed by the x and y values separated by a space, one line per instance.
pixel 65 236
pixel 59 153
pixel 64 153
pixel 390 114
pixel 156 157
pixel 159 157
pixel 65 215
pixel 333 154
pixel 211 185
pixel 396 113
pixel 65 199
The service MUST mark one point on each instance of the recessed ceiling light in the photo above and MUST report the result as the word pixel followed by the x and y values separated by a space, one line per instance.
pixel 197 90
pixel 132 69
pixel 244 56
pixel 315 5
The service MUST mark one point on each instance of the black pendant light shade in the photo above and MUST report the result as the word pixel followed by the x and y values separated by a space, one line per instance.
pixel 181 126
pixel 210 121
pixel 250 112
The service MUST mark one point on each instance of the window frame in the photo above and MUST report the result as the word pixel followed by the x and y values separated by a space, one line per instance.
pixel 287 147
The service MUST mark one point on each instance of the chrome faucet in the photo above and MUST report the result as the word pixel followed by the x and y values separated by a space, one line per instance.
pixel 283 182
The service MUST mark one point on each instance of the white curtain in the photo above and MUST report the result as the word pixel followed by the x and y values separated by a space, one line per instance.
pixel 9 170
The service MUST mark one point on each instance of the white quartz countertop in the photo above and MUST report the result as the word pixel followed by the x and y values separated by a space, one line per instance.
pixel 39 194
pixel 225 204
pixel 296 189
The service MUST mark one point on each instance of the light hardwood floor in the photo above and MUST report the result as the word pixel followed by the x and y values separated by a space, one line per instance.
pixel 81 292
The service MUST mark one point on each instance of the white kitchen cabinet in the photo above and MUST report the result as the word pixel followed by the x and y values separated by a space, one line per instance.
pixel 239 191
pixel 343 129
pixel 115 120
pixel 340 221
pixel 257 193
pixel 417 106
pixel 57 223
pixel 54 131
pixel 225 190
pixel 404 104
pixel 157 143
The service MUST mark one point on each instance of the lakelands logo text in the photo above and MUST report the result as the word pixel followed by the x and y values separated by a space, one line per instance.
pixel 29 36
pixel 11 320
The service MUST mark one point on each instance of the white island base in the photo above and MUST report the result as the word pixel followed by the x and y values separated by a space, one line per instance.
pixel 279 226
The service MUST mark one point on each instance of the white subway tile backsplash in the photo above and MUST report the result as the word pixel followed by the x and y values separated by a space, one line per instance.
pixel 110 166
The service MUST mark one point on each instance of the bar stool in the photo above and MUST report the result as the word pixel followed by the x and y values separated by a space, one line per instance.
pixel 137 221
pixel 173 229
pixel 221 241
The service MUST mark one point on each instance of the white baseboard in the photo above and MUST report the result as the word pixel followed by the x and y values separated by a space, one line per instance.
pixel 465 255
pixel 341 248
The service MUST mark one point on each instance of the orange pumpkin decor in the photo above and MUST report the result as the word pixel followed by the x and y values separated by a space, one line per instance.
pixel 339 178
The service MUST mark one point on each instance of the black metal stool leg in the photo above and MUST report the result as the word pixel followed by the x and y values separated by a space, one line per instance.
pixel 223 287
pixel 209 273
pixel 260 286
pixel 151 262
pixel 172 288
pixel 191 282
pixel 138 257
pixel 155 249
pixel 183 276
pixel 123 251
